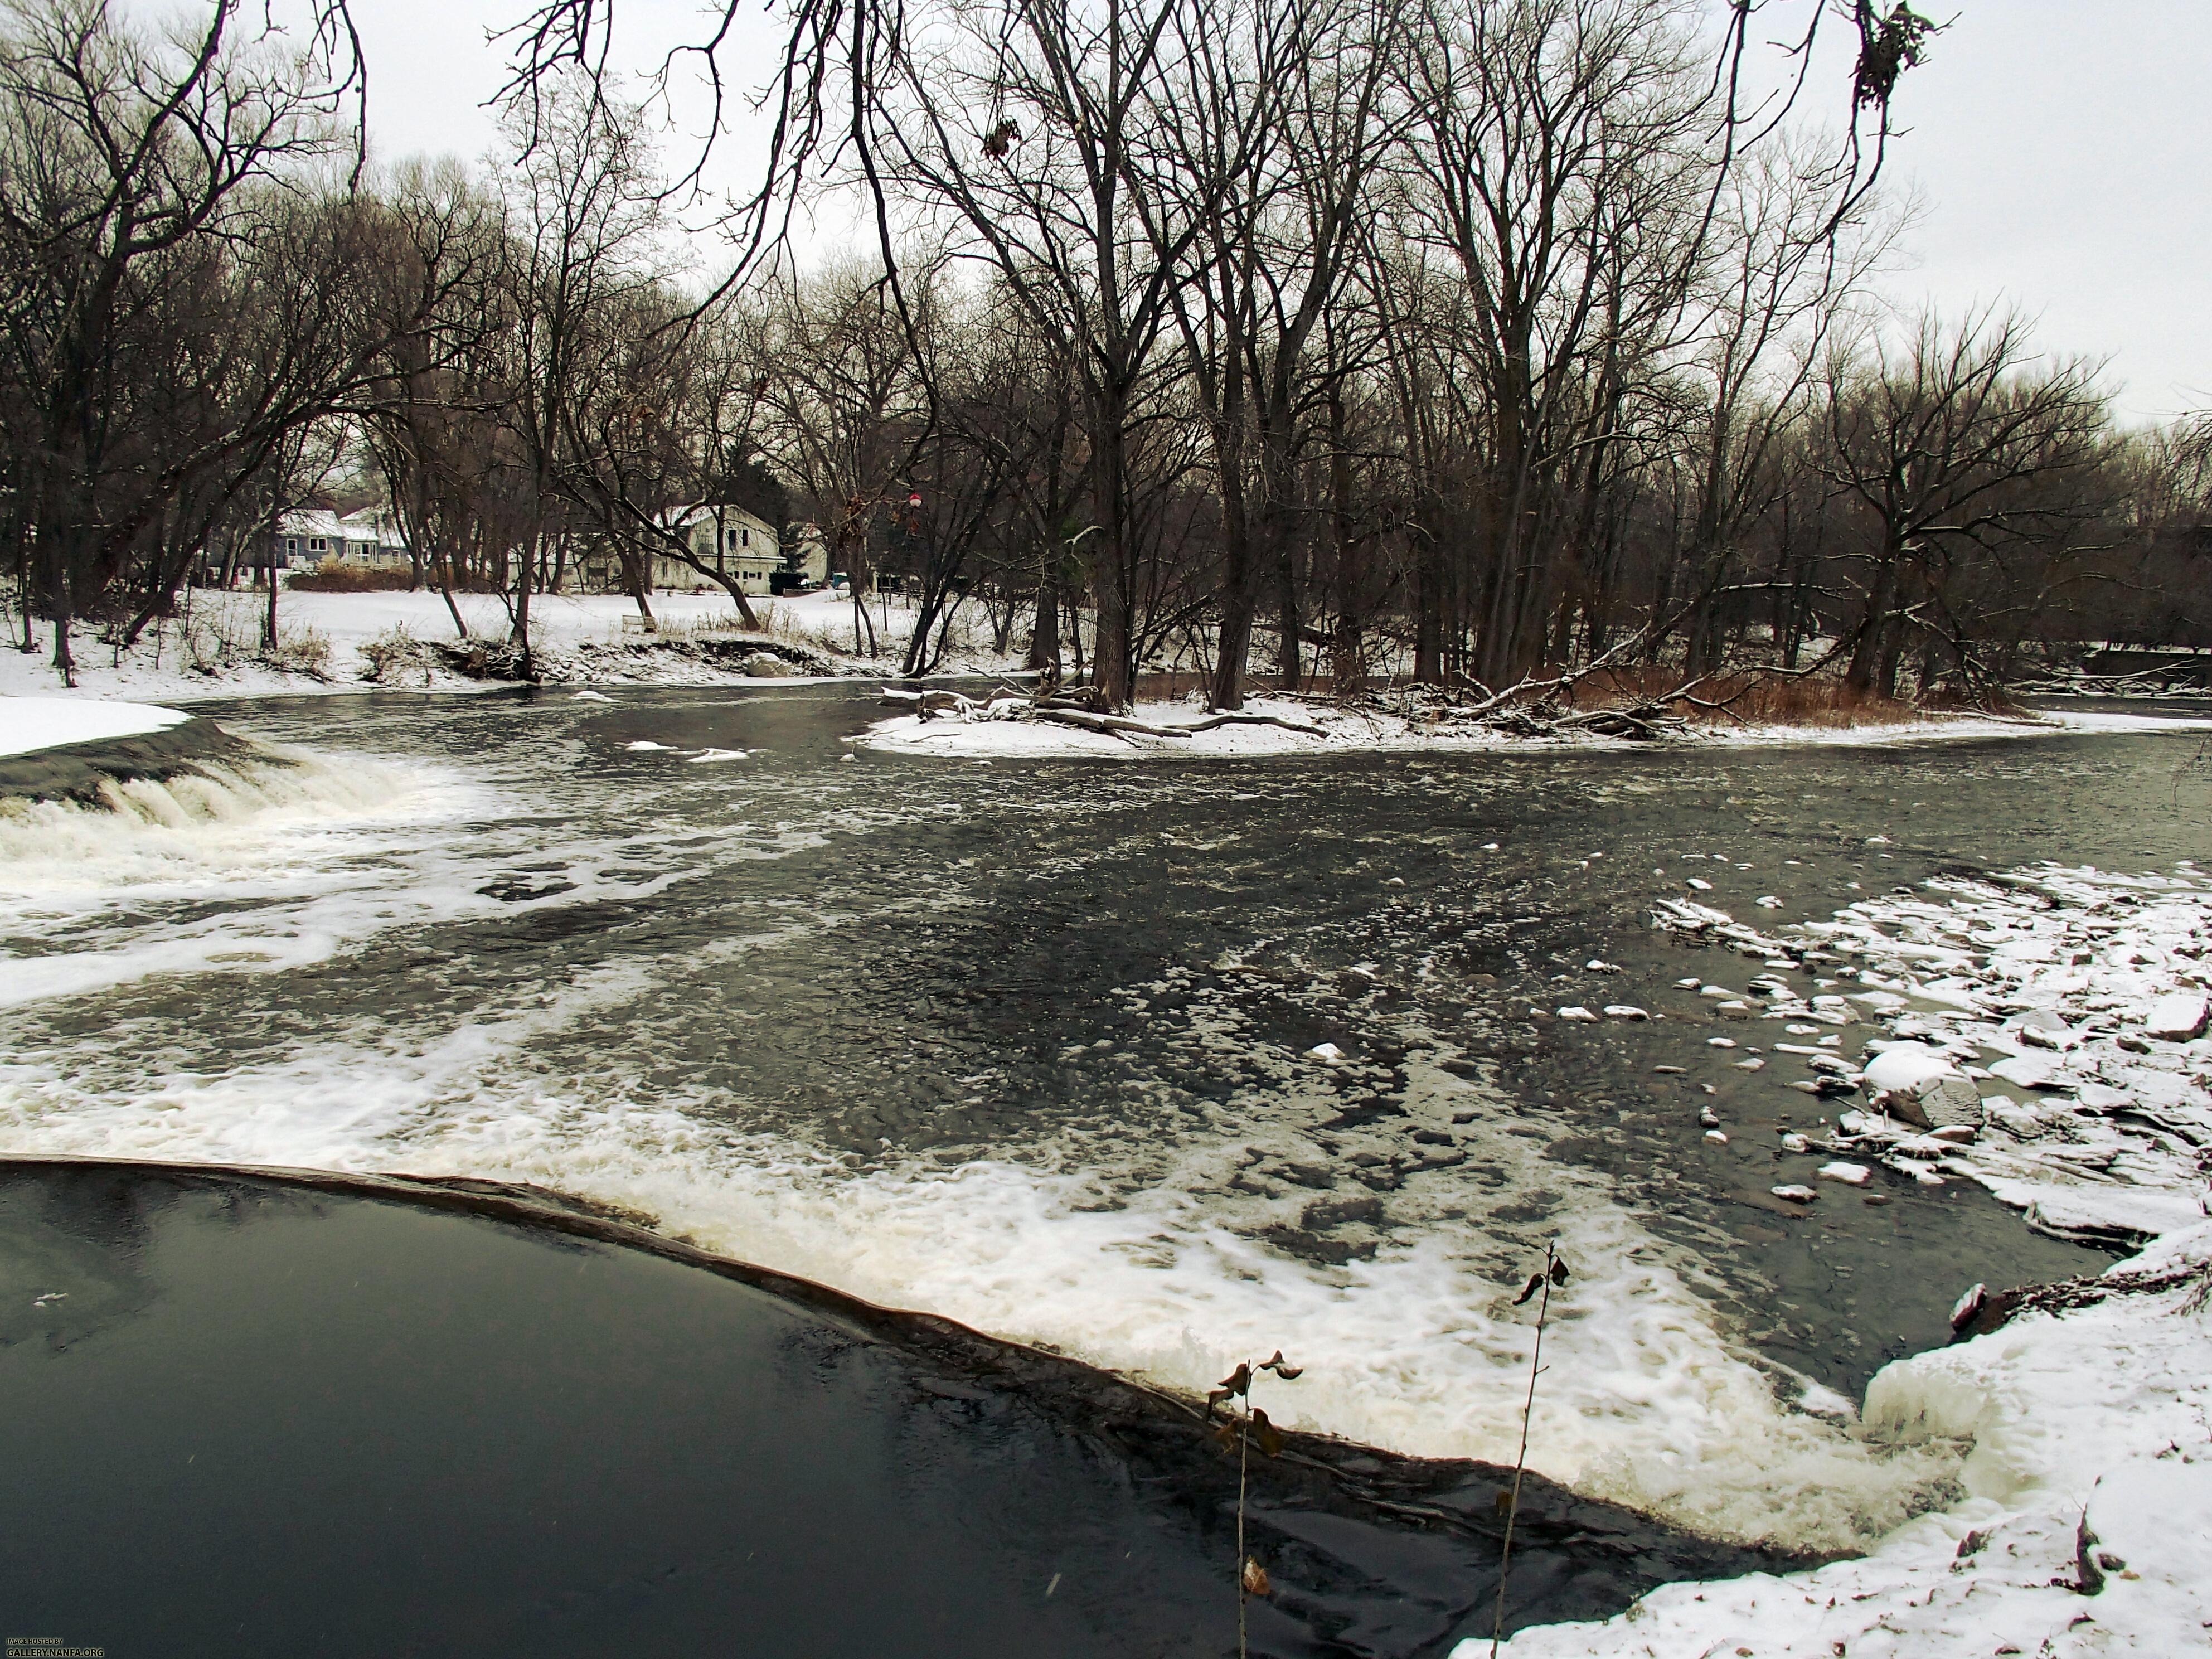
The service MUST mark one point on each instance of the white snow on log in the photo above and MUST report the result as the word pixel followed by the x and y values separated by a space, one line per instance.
pixel 30 724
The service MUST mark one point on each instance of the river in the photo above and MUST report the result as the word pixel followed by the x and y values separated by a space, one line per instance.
pixel 1026 1043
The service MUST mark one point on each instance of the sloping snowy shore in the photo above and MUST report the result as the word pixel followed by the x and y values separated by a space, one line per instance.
pixel 2086 1526
pixel 1330 729
pixel 28 725
pixel 401 641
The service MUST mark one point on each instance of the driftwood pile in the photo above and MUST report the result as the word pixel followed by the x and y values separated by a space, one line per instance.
pixel 1076 706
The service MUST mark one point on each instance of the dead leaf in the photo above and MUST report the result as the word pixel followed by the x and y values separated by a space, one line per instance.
pixel 1558 1271
pixel 1255 1578
pixel 1238 1381
pixel 1282 1367
pixel 1270 1437
pixel 1535 1282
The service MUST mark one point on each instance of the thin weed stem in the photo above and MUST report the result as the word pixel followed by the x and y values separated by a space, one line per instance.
pixel 1520 1463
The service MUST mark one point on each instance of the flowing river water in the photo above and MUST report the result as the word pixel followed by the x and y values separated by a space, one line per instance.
pixel 1026 1043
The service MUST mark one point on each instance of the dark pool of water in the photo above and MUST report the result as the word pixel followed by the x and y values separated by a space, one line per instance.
pixel 247 1416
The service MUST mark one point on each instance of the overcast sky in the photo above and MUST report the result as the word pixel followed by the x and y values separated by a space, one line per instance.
pixel 2059 148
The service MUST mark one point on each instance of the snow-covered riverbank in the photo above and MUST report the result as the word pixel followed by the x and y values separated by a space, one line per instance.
pixel 401 641
pixel 2085 1525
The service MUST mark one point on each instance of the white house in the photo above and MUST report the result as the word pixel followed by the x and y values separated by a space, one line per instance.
pixel 370 537
pixel 729 540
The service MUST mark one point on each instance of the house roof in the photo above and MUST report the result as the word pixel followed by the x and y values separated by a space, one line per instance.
pixel 682 518
pixel 369 524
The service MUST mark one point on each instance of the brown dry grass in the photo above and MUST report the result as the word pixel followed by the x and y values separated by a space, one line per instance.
pixel 1817 701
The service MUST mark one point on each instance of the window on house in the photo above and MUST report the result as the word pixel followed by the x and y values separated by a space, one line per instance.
pixel 745 539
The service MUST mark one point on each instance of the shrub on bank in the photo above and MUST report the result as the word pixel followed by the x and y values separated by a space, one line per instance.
pixel 349 578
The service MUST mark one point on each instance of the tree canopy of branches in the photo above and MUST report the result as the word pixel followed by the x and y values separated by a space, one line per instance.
pixel 1485 345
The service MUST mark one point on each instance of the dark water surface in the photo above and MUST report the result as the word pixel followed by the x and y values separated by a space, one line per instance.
pixel 246 1418
pixel 1024 1043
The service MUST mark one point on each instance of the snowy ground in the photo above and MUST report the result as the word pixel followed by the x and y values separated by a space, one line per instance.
pixel 29 724
pixel 330 642
pixel 1341 729
pixel 2045 1035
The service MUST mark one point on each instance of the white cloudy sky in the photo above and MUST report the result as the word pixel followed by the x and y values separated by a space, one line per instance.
pixel 2060 148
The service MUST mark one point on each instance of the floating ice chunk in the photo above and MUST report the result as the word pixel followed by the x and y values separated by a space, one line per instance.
pixel 1767 901
pixel 1599 965
pixel 2181 1016
pixel 1795 1192
pixel 1718 1137
pixel 1851 1174
pixel 1720 1042
pixel 1689 984
pixel 1793 1142
pixel 2027 1071
pixel 1575 1012
pixel 1877 841
pixel 591 697
pixel 1328 1053
pixel 1626 1011
pixel 707 756
pixel 1697 885
pixel 645 745
pixel 1754 1064
pixel 1704 990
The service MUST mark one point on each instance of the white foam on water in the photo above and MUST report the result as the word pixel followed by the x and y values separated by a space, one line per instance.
pixel 242 819
pixel 1644 1398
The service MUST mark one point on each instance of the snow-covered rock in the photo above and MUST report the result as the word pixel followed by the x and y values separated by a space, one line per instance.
pixel 2178 1016
pixel 30 724
pixel 1914 1084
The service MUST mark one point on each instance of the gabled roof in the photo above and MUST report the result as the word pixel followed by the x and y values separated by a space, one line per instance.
pixel 683 518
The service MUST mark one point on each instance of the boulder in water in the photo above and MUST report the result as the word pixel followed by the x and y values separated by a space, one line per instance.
pixel 1915 1084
